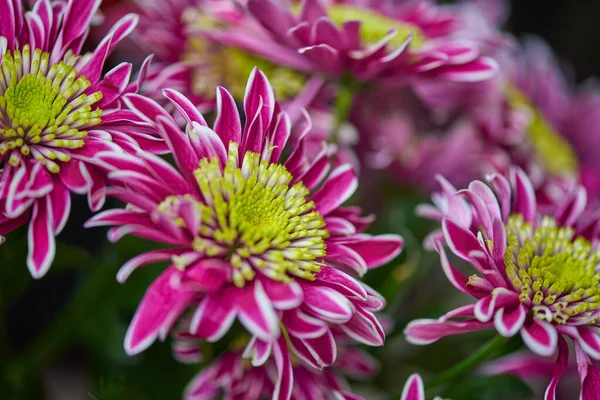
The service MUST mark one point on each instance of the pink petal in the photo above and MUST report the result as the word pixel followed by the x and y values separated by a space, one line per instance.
pixel 342 282
pixel 283 296
pixel 40 237
pixel 476 71
pixel 338 187
pixel 303 326
pixel 377 250
pixel 508 323
pixel 150 257
pixel 214 316
pixel 524 195
pixel 152 313
pixel 61 206
pixel 426 331
pixel 541 337
pixel 413 389
pixel 185 107
pixel 256 312
pixel 589 340
pixel 365 328
pixel 259 99
pixel 340 254
pixel 318 352
pixel 562 361
pixel 258 351
pixel 227 124
pixel 460 240
pixel 285 373
pixel 500 298
pixel 327 303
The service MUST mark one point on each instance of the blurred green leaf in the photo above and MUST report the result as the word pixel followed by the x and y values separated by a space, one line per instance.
pixel 501 387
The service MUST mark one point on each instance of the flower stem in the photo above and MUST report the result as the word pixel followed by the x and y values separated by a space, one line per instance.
pixel 56 336
pixel 341 108
pixel 468 364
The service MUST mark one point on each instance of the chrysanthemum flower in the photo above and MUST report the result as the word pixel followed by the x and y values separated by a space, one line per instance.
pixel 233 376
pixel 57 112
pixel 370 40
pixel 538 275
pixel 254 238
pixel 206 44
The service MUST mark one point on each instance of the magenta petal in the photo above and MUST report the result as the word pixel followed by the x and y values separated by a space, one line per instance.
pixel 258 350
pixel 7 21
pixel 114 84
pixel 340 254
pixel 256 312
pixel 570 210
pixel 284 296
pixel 377 250
pixel 40 237
pixel 185 107
pixel 227 124
pixel 478 70
pixel 76 176
pixel 589 340
pixel 413 389
pixel 77 19
pixel 327 303
pixel 524 195
pixel 508 323
pixel 318 352
pixel 285 373
pixel 338 187
pixel 341 282
pixel 541 337
pixel 214 316
pixel 365 328
pixel 461 240
pixel 303 326
pixel 259 99
pixel 589 375
pixel 61 206
pixel 144 259
pixel 426 331
pixel 562 360
pixel 153 311
pixel 500 297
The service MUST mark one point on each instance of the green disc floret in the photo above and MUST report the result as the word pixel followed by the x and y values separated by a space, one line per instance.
pixel 555 273
pixel 43 106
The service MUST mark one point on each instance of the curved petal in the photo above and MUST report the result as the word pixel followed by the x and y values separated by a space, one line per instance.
pixel 541 337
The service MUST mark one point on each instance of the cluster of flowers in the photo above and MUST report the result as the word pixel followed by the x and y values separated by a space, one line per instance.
pixel 262 251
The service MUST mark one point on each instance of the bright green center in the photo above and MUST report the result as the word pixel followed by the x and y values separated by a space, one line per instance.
pixel 253 216
pixel 33 101
pixel 215 65
pixel 375 26
pixel 554 272
pixel 45 106
pixel 555 153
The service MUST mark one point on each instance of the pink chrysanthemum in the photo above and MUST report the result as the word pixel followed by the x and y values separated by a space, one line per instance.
pixel 56 113
pixel 255 238
pixel 211 44
pixel 233 376
pixel 370 40
pixel 538 275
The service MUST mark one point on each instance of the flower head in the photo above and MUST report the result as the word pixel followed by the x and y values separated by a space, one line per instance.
pixel 232 375
pixel 537 273
pixel 56 113
pixel 255 238
pixel 371 41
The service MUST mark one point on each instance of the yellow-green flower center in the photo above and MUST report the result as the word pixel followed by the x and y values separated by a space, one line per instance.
pixel 255 217
pixel 43 107
pixel 216 65
pixel 375 26
pixel 555 273
pixel 555 153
